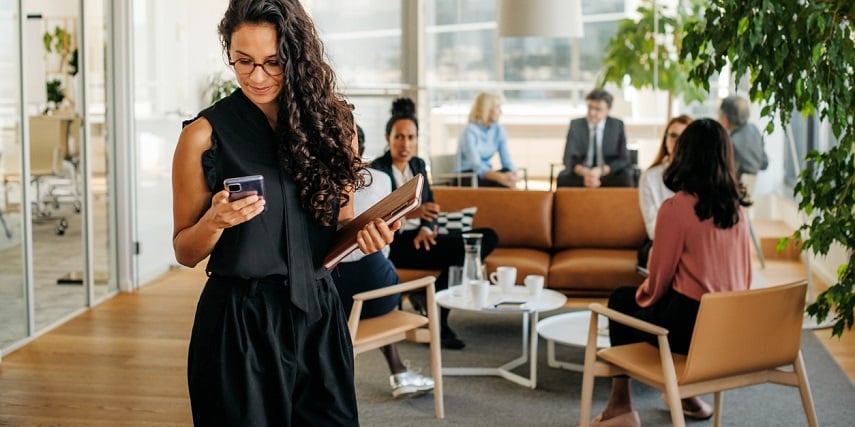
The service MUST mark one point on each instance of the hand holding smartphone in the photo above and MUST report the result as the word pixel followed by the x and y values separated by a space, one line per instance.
pixel 245 186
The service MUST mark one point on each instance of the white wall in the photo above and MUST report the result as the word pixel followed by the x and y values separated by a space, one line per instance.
pixel 176 49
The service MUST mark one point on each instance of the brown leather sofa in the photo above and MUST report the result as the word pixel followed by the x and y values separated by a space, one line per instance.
pixel 583 241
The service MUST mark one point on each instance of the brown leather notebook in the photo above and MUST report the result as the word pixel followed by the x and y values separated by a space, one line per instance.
pixel 391 208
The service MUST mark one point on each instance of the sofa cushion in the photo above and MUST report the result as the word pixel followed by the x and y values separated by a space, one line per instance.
pixel 593 272
pixel 527 261
pixel 522 219
pixel 456 221
pixel 597 218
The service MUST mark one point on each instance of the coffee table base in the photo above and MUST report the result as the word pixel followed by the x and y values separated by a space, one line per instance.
pixel 569 329
pixel 553 362
pixel 529 355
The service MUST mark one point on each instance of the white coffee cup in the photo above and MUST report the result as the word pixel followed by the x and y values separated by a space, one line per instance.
pixel 505 277
pixel 534 284
pixel 479 290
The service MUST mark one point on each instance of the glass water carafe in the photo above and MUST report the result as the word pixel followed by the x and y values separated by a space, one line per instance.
pixel 472 269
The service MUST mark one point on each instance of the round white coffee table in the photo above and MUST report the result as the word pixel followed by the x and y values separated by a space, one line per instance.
pixel 547 300
pixel 570 329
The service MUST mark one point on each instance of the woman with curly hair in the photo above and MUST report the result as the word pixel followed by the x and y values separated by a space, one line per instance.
pixel 701 245
pixel 270 344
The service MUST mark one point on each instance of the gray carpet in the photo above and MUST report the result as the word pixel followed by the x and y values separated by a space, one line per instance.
pixel 493 401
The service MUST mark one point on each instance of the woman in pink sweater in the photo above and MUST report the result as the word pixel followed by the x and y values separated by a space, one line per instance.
pixel 701 245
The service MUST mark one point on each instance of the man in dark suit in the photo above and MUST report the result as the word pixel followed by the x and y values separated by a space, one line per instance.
pixel 595 154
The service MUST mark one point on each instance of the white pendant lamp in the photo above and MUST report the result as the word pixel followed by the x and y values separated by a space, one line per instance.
pixel 540 18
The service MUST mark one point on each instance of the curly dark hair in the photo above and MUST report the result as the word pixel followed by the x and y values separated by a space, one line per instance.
pixel 402 109
pixel 703 166
pixel 315 125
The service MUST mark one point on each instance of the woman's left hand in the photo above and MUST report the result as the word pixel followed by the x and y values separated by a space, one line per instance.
pixel 376 235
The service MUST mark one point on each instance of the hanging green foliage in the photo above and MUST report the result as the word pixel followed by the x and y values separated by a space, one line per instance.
pixel 634 50
pixel 798 56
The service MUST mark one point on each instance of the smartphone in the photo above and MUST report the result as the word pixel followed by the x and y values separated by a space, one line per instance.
pixel 244 186
pixel 510 305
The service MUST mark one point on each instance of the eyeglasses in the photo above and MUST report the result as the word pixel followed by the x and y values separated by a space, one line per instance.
pixel 246 66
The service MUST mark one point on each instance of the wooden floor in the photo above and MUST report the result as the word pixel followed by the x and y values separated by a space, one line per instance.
pixel 123 362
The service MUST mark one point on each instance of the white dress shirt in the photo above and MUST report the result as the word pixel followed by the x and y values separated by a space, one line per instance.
pixel 652 192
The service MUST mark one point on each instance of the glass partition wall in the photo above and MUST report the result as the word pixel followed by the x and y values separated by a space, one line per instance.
pixel 52 107
pixel 13 289
pixel 56 233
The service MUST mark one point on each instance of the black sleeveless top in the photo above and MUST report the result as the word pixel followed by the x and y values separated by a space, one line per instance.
pixel 285 239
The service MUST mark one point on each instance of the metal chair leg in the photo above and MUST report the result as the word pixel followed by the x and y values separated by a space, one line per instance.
pixel 756 244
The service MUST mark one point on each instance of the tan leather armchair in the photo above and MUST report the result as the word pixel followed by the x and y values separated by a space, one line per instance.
pixel 740 339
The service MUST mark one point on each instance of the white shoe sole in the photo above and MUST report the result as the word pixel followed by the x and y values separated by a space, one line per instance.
pixel 412 391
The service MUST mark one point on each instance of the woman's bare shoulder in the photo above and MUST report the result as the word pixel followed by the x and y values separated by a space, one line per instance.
pixel 196 136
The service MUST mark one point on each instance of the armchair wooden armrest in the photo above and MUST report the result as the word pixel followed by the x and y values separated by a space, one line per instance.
pixel 628 320
pixel 395 289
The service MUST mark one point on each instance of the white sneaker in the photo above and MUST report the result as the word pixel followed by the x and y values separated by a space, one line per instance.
pixel 409 384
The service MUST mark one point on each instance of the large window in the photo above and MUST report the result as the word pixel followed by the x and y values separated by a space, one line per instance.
pixel 543 79
pixel 464 53
pixel 362 39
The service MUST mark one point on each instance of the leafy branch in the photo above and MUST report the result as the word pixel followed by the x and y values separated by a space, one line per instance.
pixel 797 56
pixel 649 44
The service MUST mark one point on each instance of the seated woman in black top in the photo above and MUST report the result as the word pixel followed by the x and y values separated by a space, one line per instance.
pixel 418 245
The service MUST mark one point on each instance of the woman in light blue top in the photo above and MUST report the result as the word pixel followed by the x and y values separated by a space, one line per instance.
pixel 481 139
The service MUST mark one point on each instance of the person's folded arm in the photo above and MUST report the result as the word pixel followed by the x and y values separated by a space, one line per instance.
pixel 620 162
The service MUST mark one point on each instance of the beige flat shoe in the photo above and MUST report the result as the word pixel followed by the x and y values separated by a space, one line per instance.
pixel 704 412
pixel 627 419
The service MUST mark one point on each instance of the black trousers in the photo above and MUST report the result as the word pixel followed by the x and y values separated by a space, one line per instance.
pixel 254 360
pixel 447 252
pixel 675 312
pixel 621 178
pixel 372 272
pixel 644 252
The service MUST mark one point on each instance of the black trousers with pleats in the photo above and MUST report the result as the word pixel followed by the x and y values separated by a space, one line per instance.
pixel 254 360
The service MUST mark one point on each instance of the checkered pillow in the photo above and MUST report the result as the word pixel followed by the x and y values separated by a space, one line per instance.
pixel 457 221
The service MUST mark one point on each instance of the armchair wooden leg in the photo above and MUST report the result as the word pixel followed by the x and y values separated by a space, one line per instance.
pixel 588 373
pixel 435 354
pixel 804 391
pixel 719 404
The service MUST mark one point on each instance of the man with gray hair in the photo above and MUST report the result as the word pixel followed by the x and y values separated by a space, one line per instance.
pixel 747 140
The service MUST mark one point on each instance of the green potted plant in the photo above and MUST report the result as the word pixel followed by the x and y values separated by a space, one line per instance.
pixel 643 46
pixel 59 42
pixel 798 57
pixel 59 45
pixel 219 87
pixel 55 94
